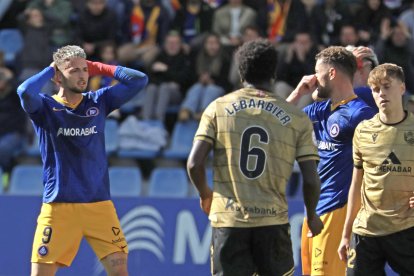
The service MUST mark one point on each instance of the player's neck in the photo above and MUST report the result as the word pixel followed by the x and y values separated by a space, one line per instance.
pixel 343 94
pixel 69 97
pixel 392 117
pixel 265 86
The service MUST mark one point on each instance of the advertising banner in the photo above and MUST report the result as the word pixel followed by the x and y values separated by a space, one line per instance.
pixel 165 237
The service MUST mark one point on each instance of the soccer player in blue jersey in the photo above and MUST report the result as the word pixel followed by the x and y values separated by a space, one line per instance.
pixel 366 61
pixel 70 126
pixel 334 121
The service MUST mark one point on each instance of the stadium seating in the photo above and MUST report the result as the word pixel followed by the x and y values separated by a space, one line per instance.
pixel 141 153
pixel 168 182
pixel 125 181
pixel 26 180
pixel 11 43
pixel 111 136
pixel 1 181
pixel 181 141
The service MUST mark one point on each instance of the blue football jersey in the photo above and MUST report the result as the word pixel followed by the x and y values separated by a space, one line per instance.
pixel 365 93
pixel 71 140
pixel 334 130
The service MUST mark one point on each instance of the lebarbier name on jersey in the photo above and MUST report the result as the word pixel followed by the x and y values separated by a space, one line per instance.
pixel 73 131
pixel 273 109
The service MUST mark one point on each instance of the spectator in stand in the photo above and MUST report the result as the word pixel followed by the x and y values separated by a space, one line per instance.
pixel 296 60
pixel 327 19
pixel 57 14
pixel 169 76
pixel 285 19
pixel 249 33
pixel 96 24
pixel 394 6
pixel 407 18
pixel 348 35
pixel 261 7
pixel 212 69
pixel 122 10
pixel 106 54
pixel 370 17
pixel 193 20
pixel 13 121
pixel 230 20
pixel 9 12
pixel 37 49
pixel 149 23
pixel 396 46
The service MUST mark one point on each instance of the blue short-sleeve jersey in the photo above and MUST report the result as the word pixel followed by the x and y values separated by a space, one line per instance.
pixel 334 130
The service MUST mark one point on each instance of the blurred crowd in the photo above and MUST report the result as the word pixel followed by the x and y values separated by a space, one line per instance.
pixel 186 47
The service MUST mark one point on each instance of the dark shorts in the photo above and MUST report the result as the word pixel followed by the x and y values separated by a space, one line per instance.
pixel 368 255
pixel 264 250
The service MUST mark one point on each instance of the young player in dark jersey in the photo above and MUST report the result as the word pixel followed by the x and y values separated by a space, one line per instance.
pixel 70 126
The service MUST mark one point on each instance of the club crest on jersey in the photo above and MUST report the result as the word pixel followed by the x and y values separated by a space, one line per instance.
pixel 93 111
pixel 374 137
pixel 43 250
pixel 409 137
pixel 334 131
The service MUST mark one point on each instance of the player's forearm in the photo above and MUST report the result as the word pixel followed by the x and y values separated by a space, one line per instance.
pixel 354 203
pixel 196 167
pixel 29 90
pixel 197 174
pixel 130 83
pixel 131 78
pixel 311 186
pixel 294 97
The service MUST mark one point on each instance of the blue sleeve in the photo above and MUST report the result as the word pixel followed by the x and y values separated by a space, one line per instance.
pixel 364 113
pixel 29 90
pixel 310 110
pixel 130 83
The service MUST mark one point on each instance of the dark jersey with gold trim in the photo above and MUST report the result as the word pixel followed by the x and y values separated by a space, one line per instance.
pixel 256 136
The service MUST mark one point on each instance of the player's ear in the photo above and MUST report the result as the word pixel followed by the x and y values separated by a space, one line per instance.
pixel 57 79
pixel 403 88
pixel 332 73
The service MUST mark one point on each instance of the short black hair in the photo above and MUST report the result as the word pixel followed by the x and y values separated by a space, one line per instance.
pixel 257 61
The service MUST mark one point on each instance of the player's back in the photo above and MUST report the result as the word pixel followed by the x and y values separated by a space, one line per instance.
pixel 257 137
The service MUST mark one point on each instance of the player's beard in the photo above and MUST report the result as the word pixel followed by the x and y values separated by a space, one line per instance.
pixel 75 88
pixel 324 92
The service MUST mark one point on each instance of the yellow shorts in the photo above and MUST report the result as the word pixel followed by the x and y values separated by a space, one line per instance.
pixel 61 227
pixel 319 254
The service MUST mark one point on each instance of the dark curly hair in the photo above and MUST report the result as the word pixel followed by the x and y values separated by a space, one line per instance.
pixel 340 58
pixel 257 61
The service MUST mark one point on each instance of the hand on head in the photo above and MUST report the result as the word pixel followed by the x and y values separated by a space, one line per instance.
pixel 362 52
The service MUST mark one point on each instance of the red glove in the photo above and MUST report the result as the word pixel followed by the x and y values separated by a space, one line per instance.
pixel 98 68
